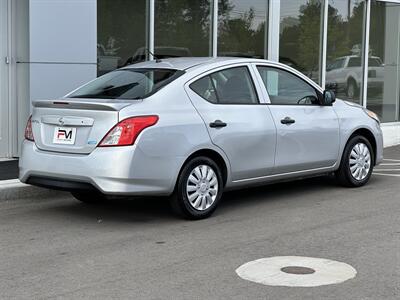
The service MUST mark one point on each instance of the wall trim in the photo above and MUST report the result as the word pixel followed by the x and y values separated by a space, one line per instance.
pixel 391 134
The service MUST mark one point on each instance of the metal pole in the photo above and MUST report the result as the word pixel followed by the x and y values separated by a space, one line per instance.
pixel 215 28
pixel 151 29
pixel 274 11
pixel 324 44
pixel 367 20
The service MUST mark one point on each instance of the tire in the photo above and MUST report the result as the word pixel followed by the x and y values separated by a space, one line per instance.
pixel 197 194
pixel 88 197
pixel 352 90
pixel 352 161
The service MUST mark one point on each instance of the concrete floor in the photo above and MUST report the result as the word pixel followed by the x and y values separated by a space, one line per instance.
pixel 60 248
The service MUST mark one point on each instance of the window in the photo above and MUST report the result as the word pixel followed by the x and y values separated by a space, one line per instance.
pixel 205 89
pixel 231 86
pixel 354 62
pixel 242 28
pixel 345 41
pixel 127 84
pixel 182 28
pixel 337 64
pixel 121 33
pixel 372 62
pixel 300 36
pixel 286 88
pixel 383 96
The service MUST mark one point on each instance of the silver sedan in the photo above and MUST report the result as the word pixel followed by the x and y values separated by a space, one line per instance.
pixel 191 128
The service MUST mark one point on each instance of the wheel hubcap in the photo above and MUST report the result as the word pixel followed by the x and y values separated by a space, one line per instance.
pixel 360 161
pixel 202 187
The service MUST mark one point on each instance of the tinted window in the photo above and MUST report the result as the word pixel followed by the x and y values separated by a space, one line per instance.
pixel 182 28
pixel 230 86
pixel 205 89
pixel 127 84
pixel 300 34
pixel 355 62
pixel 372 62
pixel 242 27
pixel 118 46
pixel 286 88
pixel 337 64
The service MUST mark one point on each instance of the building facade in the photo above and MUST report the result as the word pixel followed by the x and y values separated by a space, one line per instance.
pixel 50 47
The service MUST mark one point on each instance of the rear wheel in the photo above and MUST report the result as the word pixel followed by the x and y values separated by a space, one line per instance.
pixel 199 189
pixel 357 163
pixel 88 197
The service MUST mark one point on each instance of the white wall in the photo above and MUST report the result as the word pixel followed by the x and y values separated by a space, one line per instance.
pixel 391 134
pixel 4 71
pixel 63 54
pixel 20 73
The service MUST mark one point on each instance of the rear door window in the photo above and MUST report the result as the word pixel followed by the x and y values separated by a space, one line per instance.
pixel 204 87
pixel 229 86
pixel 128 84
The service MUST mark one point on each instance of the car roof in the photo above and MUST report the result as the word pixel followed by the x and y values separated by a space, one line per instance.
pixel 185 63
pixel 355 56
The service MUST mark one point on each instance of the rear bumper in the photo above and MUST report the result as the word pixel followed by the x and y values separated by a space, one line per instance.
pixel 61 184
pixel 112 171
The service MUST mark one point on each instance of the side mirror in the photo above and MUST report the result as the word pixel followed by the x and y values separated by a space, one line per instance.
pixel 328 98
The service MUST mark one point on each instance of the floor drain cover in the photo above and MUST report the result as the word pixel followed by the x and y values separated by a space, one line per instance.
pixel 298 270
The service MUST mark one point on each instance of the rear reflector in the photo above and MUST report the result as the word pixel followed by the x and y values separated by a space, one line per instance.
pixel 126 132
pixel 28 130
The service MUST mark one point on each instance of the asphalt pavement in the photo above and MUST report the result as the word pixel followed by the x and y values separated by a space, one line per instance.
pixel 60 248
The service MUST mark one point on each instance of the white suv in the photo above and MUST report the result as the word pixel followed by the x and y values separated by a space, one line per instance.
pixel 344 75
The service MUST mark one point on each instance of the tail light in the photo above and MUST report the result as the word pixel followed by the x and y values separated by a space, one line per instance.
pixel 28 130
pixel 126 132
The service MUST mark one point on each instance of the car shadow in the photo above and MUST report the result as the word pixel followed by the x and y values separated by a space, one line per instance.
pixel 157 209
pixel 277 191
pixel 130 210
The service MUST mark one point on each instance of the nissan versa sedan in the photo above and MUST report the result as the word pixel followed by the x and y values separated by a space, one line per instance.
pixel 191 128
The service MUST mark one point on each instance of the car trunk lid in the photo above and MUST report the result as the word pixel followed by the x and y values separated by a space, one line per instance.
pixel 74 125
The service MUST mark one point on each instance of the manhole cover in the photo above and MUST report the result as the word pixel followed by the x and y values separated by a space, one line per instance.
pixel 298 270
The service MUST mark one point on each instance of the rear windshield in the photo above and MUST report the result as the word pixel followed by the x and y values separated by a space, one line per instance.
pixel 128 84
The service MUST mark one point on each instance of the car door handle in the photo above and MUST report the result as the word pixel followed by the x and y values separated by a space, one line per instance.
pixel 288 121
pixel 218 124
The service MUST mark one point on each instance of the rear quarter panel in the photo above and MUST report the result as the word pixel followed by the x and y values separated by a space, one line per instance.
pixel 163 149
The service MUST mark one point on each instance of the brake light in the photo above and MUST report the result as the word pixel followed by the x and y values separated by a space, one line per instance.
pixel 28 130
pixel 126 132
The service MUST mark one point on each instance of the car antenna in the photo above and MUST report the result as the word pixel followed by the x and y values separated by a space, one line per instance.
pixel 152 54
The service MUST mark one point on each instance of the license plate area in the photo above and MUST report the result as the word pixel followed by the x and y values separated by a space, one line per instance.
pixel 64 135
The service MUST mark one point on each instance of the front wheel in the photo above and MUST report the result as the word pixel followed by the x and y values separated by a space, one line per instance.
pixel 357 163
pixel 199 189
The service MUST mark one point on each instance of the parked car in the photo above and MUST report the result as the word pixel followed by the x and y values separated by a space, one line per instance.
pixel 191 128
pixel 344 75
